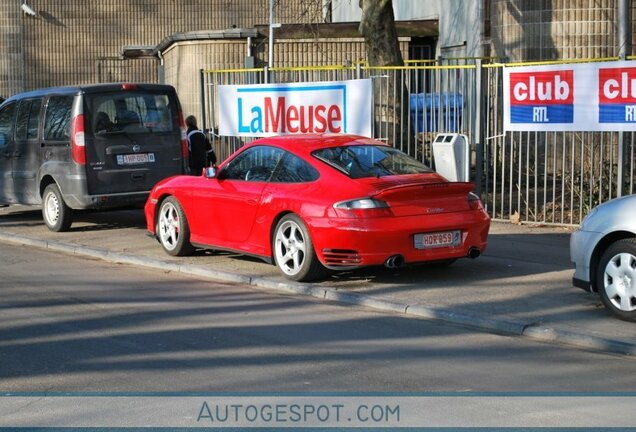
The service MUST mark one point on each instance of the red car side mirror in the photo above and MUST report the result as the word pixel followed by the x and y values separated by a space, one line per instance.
pixel 210 172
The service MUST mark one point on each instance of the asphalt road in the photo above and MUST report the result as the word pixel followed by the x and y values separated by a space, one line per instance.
pixel 525 276
pixel 71 324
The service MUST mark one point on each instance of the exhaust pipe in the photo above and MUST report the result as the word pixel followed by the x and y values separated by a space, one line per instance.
pixel 394 261
pixel 473 252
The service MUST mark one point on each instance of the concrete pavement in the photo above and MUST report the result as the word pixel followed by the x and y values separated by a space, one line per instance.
pixel 521 286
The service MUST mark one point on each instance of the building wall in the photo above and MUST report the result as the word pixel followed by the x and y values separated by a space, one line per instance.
pixel 76 41
pixel 319 52
pixel 184 60
pixel 460 22
pixel 68 39
pixel 555 29
pixel 11 59
pixel 112 69
pixel 520 30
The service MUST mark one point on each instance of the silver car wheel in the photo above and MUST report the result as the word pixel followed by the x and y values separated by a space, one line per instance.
pixel 620 281
pixel 290 248
pixel 169 226
pixel 51 208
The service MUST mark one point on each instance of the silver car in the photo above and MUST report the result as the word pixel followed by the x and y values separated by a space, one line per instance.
pixel 603 250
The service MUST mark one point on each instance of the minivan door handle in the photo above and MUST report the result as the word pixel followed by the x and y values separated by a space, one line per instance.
pixel 137 176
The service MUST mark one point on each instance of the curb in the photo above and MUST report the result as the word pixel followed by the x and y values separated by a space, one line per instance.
pixel 510 327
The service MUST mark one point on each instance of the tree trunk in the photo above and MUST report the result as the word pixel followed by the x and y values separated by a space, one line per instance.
pixel 377 26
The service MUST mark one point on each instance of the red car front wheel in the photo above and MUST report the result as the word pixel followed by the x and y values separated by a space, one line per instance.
pixel 172 228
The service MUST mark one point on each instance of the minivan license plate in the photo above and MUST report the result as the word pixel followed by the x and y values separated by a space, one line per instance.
pixel 437 239
pixel 134 159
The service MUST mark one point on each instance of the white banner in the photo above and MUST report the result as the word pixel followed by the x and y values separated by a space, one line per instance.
pixel 280 109
pixel 571 97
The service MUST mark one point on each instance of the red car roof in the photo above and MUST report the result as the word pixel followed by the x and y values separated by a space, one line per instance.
pixel 309 142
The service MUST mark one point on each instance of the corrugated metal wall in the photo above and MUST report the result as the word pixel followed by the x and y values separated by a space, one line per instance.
pixel 295 11
pixel 68 40
pixel 526 30
pixel 117 70
pixel 64 43
pixel 11 64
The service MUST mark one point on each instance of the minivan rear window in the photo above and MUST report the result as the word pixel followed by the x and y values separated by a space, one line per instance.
pixel 132 112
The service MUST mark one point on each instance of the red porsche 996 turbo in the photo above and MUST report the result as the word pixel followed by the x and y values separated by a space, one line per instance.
pixel 313 203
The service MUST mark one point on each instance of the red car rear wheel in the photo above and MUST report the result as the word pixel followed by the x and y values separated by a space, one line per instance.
pixel 294 252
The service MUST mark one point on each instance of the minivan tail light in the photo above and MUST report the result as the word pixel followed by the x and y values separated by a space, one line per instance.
pixel 78 143
pixel 184 136
pixel 128 86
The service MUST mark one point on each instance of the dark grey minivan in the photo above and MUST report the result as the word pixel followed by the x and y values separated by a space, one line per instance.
pixel 89 147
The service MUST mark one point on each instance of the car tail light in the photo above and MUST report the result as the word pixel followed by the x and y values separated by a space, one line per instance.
pixel 184 137
pixel 129 86
pixel 78 143
pixel 474 202
pixel 362 208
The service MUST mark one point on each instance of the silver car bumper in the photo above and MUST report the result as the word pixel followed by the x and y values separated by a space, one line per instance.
pixel 582 244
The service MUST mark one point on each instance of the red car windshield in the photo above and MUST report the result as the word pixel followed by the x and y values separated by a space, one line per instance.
pixel 358 161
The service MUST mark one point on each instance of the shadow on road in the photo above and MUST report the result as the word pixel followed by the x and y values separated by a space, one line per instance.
pixel 83 220
pixel 113 328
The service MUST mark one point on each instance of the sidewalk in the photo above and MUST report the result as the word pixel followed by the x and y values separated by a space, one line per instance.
pixel 520 286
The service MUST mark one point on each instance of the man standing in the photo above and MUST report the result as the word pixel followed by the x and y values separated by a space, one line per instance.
pixel 201 153
pixel 124 116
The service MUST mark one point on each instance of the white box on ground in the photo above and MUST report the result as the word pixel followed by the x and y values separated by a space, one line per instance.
pixel 451 153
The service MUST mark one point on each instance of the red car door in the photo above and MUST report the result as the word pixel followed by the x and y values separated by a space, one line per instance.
pixel 236 211
pixel 226 207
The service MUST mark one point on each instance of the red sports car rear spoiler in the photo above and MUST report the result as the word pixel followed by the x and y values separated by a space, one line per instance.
pixel 424 189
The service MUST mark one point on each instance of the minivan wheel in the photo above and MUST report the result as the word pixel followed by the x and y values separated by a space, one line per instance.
pixel 616 278
pixel 294 252
pixel 57 215
pixel 173 229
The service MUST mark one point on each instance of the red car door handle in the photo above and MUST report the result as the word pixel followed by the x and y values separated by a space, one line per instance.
pixel 252 202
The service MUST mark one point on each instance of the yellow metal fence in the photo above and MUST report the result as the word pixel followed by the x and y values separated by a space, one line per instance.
pixel 534 177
